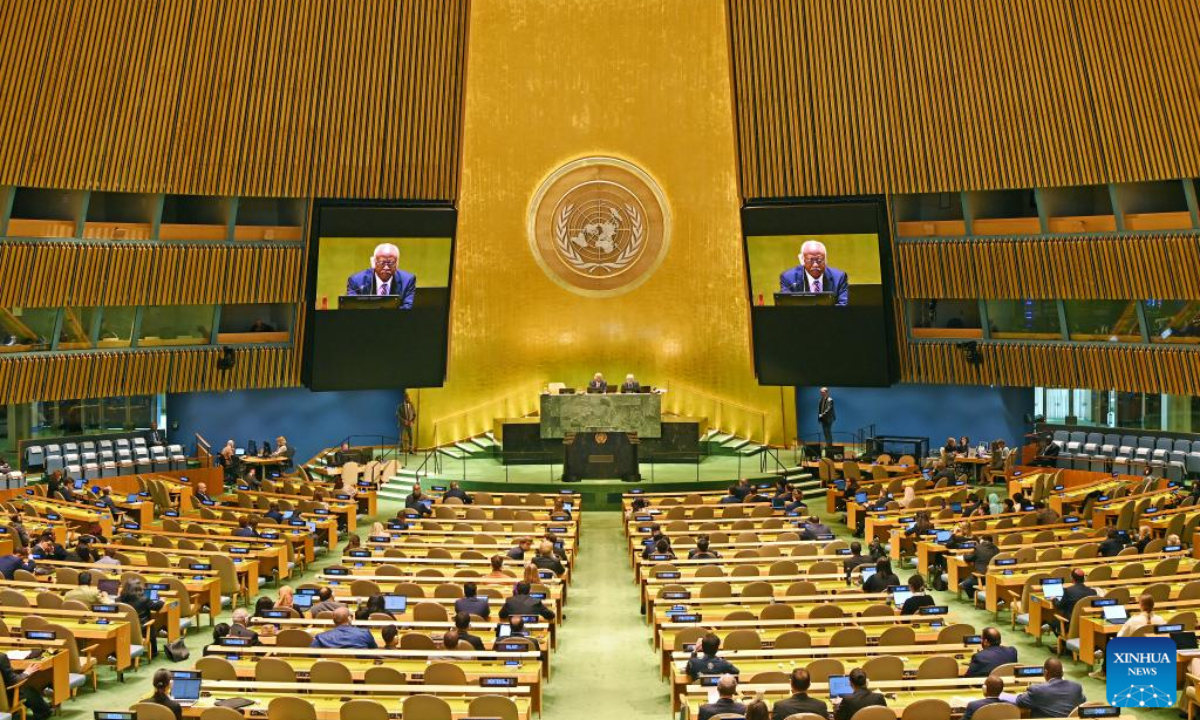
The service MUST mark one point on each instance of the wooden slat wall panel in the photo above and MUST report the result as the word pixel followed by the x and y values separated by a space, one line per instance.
pixel 88 375
pixel 288 98
pixel 1175 371
pixel 891 96
pixel 1083 267
pixel 31 274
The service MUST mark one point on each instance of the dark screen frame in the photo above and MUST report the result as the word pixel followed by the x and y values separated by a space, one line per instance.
pixel 409 348
pixel 777 359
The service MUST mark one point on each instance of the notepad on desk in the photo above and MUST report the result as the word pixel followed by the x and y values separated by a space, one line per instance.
pixel 18 654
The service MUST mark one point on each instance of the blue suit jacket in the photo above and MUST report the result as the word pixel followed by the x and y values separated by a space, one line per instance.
pixel 834 280
pixel 975 705
pixel 990 658
pixel 403 284
pixel 1056 698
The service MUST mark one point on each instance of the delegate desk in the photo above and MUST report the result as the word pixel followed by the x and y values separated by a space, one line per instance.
pixel 771 544
pixel 525 668
pixel 1041 609
pixel 927 628
pixel 327 699
pixel 344 509
pixel 1065 536
pixel 353 602
pixel 899 693
pixel 662 608
pixel 543 632
pixel 326 525
pixel 167 618
pixel 753 662
pixel 1095 631
pixel 55 661
pixel 203 586
pixel 365 567
pixel 493 587
pixel 275 555
pixel 108 633
pixel 1006 582
pixel 245 567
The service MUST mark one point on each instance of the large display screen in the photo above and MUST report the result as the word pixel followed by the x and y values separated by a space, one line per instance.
pixel 820 292
pixel 379 296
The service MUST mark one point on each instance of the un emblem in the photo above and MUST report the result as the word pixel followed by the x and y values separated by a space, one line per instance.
pixel 599 226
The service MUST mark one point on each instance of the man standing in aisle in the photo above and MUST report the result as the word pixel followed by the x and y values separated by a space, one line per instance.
pixel 826 415
pixel 407 415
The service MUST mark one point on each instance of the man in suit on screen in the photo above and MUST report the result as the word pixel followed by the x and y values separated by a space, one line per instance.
pixel 598 384
pixel 630 385
pixel 384 277
pixel 812 275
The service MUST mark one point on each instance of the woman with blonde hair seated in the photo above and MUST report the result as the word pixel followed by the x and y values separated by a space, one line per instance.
pixel 285 598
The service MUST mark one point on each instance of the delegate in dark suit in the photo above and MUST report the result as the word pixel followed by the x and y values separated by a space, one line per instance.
pixel 525 605
pixel 597 386
pixel 834 281
pixel 720 707
pixel 826 415
pixel 1054 698
pixel 799 703
pixel 975 705
pixel 857 700
pixel 1072 595
pixel 34 701
pixel 402 283
pixel 990 658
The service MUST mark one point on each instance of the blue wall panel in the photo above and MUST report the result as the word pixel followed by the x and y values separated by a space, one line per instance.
pixel 934 411
pixel 310 421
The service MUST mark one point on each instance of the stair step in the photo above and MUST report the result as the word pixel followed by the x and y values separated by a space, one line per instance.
pixel 719 438
pixel 452 452
pixel 469 448
pixel 709 435
pixel 735 443
pixel 485 442
pixel 750 449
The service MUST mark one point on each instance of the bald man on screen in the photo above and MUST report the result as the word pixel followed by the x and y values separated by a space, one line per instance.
pixel 384 277
pixel 812 275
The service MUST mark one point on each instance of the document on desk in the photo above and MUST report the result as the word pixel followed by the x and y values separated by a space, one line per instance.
pixel 18 654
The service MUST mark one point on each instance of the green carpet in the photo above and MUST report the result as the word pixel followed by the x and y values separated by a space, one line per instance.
pixel 604 667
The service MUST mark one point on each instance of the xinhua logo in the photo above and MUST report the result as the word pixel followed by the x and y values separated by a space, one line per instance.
pixel 1141 672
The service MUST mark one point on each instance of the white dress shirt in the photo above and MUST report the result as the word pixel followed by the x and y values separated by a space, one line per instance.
pixel 809 280
pixel 381 287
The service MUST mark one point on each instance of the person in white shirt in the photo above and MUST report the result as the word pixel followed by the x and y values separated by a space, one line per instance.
pixel 1141 619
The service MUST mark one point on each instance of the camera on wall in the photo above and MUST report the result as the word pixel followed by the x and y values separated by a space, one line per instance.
pixel 971 349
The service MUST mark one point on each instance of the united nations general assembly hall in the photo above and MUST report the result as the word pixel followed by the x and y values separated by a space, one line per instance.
pixel 858 339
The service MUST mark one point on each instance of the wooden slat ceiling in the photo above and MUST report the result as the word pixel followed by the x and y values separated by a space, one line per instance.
pixel 894 96
pixel 288 98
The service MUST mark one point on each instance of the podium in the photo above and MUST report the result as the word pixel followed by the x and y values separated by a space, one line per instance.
pixel 600 455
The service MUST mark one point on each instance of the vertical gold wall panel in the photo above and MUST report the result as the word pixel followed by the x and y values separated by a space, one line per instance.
pixel 147 274
pixel 1081 267
pixel 293 98
pixel 554 80
pixel 881 96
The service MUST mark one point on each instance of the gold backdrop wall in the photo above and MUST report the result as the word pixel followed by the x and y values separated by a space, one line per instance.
pixel 550 81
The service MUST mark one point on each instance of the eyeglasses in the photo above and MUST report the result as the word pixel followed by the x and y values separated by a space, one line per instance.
pixel 385 263
pixel 814 259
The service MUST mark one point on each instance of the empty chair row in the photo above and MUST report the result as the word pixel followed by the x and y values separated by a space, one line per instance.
pixel 36 454
pixel 108 463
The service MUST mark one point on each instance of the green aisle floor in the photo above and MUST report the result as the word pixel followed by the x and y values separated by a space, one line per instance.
pixel 605 650
pixel 604 647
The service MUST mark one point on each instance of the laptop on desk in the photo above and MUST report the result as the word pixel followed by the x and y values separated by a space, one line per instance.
pixel 185 686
